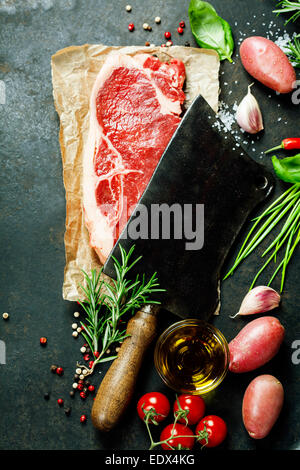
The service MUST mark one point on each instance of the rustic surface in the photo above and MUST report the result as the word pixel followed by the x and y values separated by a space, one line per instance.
pixel 33 215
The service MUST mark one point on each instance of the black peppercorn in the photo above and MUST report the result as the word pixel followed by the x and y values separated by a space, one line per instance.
pixel 72 393
pixel 187 44
pixel 53 369
pixel 47 396
pixel 67 411
pixel 76 377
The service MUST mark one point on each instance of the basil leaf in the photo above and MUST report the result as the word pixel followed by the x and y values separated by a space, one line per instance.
pixel 210 30
pixel 287 169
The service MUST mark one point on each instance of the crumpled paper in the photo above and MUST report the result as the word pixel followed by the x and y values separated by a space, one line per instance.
pixel 74 70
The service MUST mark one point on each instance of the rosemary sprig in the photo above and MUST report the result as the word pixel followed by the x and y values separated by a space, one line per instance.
pixel 289 7
pixel 106 303
pixel 294 51
pixel 287 205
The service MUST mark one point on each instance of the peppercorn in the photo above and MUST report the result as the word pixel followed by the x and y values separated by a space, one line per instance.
pixel 46 396
pixel 60 402
pixel 180 30
pixel 80 387
pixel 167 35
pixel 128 8
pixel 60 371
pixel 169 43
pixel 91 388
pixel 187 44
pixel 76 376
pixel 74 326
pixel 96 354
pixel 75 385
pixel 87 383
pixel 82 395
pixel 85 390
pixel 131 27
pixel 86 357
pixel 149 28
pixel 182 24
pixel 75 334
pixel 72 393
pixel 83 349
pixel 83 419
pixel 43 341
pixel 53 369
pixel 78 371
pixel 68 411
pixel 76 314
pixel 157 20
pixel 5 316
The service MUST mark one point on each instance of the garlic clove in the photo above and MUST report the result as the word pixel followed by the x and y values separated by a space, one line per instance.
pixel 248 114
pixel 258 300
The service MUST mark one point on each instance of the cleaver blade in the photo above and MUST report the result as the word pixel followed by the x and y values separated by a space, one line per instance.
pixel 202 166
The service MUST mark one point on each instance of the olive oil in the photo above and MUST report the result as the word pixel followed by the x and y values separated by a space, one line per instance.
pixel 192 356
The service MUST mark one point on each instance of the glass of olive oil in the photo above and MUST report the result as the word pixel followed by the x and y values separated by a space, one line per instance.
pixel 192 356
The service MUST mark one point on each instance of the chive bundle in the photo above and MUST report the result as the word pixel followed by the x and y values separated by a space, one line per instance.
pixel 288 206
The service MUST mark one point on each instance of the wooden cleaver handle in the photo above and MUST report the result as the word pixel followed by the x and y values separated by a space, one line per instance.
pixel 116 389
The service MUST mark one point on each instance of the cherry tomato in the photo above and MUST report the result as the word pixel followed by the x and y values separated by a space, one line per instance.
pixel 194 404
pixel 186 442
pixel 154 400
pixel 216 429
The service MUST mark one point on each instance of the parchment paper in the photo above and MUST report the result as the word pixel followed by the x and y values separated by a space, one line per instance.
pixel 74 71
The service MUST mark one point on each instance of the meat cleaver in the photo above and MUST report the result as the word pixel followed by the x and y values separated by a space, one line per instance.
pixel 205 173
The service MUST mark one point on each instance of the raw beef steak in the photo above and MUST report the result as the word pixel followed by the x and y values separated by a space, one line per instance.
pixel 134 110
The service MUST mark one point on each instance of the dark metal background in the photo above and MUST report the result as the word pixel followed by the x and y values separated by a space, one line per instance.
pixel 33 215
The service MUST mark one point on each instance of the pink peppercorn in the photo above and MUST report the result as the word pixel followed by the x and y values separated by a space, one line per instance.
pixel 167 35
pixel 59 371
pixel 131 27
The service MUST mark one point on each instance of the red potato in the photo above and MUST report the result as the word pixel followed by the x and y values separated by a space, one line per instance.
pixel 266 62
pixel 257 343
pixel 262 403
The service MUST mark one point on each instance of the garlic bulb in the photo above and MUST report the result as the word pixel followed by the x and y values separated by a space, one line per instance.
pixel 258 300
pixel 248 114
